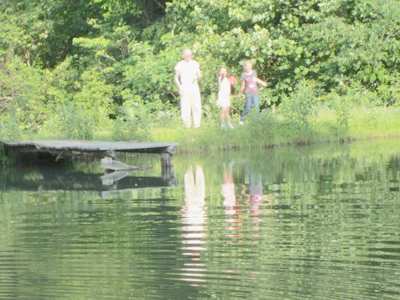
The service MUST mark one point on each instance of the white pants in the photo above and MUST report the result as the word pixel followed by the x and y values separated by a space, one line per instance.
pixel 191 106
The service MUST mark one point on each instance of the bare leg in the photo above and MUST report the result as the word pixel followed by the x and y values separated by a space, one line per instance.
pixel 226 116
pixel 222 117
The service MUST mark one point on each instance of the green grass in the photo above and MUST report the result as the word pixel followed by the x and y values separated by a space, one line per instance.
pixel 271 130
pixel 260 131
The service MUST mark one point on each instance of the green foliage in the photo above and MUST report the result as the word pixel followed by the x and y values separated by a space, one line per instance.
pixel 151 76
pixel 301 106
pixel 342 107
pixel 22 94
pixel 73 121
pixel 10 126
pixel 133 121
pixel 107 65
pixel 79 115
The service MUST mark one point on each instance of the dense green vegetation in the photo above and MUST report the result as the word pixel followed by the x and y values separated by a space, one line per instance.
pixel 104 68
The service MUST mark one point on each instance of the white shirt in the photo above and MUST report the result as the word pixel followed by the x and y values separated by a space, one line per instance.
pixel 224 88
pixel 189 72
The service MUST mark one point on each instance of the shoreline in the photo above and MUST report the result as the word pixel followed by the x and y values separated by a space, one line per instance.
pixel 262 131
pixel 273 132
pixel 295 145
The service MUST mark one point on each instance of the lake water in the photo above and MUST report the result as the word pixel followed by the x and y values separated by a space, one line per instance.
pixel 308 223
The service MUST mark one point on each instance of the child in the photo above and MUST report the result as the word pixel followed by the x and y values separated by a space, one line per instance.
pixel 224 97
pixel 250 83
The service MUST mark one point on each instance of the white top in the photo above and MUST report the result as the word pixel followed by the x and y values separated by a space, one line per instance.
pixel 189 72
pixel 224 92
pixel 224 87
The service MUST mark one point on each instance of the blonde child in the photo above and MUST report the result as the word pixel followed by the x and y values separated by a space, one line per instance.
pixel 250 88
pixel 224 97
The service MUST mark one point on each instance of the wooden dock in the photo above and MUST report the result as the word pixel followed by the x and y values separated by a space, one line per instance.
pixel 102 147
pixel 63 149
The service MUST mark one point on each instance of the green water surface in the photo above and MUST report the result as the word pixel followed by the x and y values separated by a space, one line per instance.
pixel 307 223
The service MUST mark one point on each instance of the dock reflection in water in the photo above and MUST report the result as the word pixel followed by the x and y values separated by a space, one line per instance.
pixel 309 223
pixel 42 178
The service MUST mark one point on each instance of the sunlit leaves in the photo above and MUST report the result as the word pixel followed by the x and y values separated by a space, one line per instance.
pixel 109 52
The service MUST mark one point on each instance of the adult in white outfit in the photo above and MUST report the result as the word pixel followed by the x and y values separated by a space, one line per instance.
pixel 187 76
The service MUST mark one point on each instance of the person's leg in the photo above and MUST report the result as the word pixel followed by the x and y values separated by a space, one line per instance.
pixel 186 109
pixel 196 108
pixel 225 117
pixel 228 117
pixel 247 108
pixel 256 103
pixel 222 117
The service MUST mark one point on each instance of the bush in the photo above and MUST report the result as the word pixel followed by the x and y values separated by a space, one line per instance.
pixel 23 93
pixel 133 121
pixel 300 106
pixel 72 121
pixel 341 104
pixel 10 128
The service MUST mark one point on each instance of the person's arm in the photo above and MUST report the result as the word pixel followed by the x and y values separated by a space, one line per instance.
pixel 178 79
pixel 219 86
pixel 243 87
pixel 198 72
pixel 262 82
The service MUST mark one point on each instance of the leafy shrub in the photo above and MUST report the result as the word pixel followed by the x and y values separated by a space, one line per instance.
pixel 22 90
pixel 341 104
pixel 73 121
pixel 300 106
pixel 133 121
pixel 10 128
pixel 151 76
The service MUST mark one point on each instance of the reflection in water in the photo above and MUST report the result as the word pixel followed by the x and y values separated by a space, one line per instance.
pixel 256 194
pixel 231 208
pixel 330 230
pixel 228 191
pixel 253 194
pixel 194 219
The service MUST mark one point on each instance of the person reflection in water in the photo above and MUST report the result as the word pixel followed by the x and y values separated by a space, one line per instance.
pixel 194 220
pixel 230 203
pixel 256 194
pixel 255 197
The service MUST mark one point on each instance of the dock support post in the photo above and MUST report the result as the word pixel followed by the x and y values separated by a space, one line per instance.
pixel 111 154
pixel 4 149
pixel 166 165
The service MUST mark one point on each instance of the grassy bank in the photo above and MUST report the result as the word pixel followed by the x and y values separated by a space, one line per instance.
pixel 261 130
pixel 272 129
